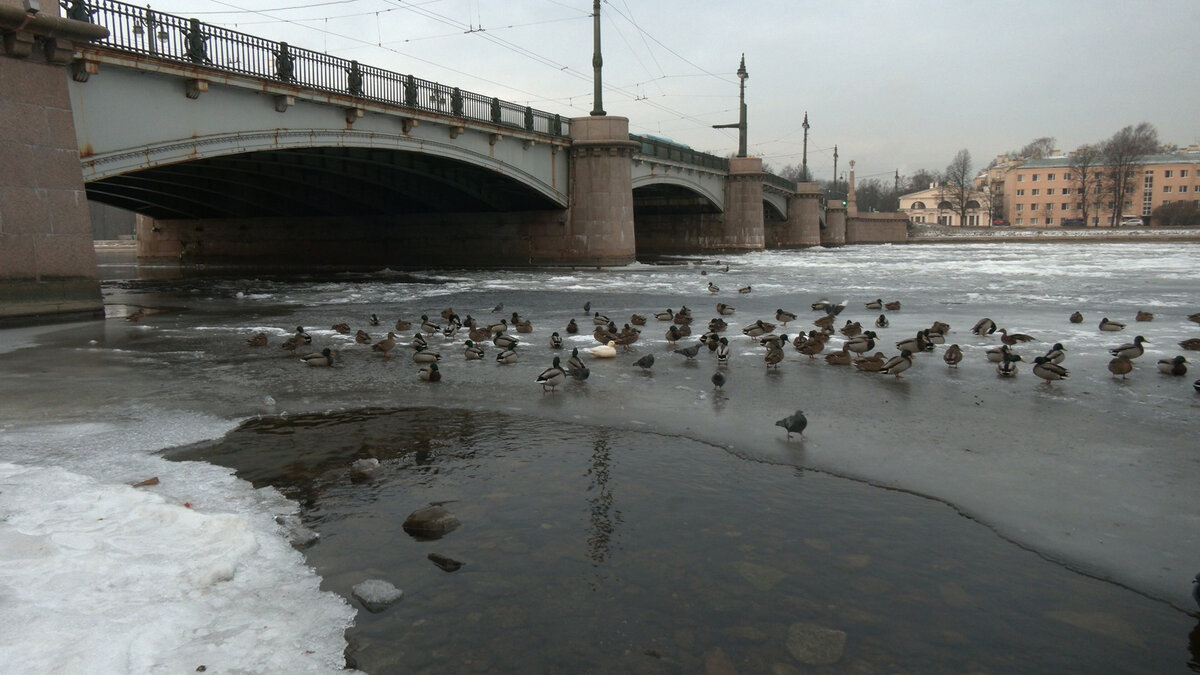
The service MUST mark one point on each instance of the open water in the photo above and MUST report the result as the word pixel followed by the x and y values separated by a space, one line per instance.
pixel 949 521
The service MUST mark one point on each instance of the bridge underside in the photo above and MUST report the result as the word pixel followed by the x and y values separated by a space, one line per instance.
pixel 314 182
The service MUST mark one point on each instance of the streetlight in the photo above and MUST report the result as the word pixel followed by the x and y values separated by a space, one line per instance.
pixel 741 124
pixel 804 157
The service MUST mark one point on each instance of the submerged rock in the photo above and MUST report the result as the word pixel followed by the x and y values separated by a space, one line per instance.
pixel 431 522
pixel 376 594
pixel 447 564
pixel 815 645
pixel 364 469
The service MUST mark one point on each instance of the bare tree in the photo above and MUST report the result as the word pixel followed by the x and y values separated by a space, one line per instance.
pixel 957 184
pixel 1124 156
pixel 1038 148
pixel 921 180
pixel 1087 172
pixel 995 200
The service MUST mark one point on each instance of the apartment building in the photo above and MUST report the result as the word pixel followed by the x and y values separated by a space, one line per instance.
pixel 1047 192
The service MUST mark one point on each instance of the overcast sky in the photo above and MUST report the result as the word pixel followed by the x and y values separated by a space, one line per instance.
pixel 894 84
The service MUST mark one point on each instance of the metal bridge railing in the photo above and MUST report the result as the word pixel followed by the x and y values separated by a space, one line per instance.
pixel 143 31
pixel 654 147
pixel 779 182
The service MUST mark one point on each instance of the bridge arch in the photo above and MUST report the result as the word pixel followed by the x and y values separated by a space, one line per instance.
pixel 712 191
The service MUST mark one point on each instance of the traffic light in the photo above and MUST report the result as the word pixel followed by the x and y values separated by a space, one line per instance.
pixel 843 202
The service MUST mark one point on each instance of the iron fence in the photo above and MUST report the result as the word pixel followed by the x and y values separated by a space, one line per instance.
pixel 656 147
pixel 141 30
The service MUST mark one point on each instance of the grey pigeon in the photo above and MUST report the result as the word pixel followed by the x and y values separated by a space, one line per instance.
pixel 587 307
pixel 690 352
pixel 645 362
pixel 718 379
pixel 794 424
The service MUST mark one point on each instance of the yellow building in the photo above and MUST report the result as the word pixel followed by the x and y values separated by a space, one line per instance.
pixel 1046 192
pixel 934 206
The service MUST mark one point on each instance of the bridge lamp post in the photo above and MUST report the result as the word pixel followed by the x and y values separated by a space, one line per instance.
pixel 741 124
pixel 152 36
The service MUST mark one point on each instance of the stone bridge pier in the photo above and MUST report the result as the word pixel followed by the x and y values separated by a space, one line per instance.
pixel 802 228
pixel 47 259
pixel 741 228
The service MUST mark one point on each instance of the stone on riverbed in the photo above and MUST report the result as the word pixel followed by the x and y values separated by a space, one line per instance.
pixel 815 645
pixel 376 594
pixel 431 522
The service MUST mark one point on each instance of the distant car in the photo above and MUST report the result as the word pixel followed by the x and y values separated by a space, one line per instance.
pixel 1131 221
pixel 1073 222
pixel 999 222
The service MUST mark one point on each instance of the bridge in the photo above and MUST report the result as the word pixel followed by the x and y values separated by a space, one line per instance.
pixel 238 150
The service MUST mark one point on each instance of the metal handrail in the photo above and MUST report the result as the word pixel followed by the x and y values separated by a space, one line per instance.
pixel 144 31
pixel 779 182
pixel 655 147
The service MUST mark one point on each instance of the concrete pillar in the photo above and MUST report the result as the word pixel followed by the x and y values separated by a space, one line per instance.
pixel 742 227
pixel 834 233
pixel 599 229
pixel 803 226
pixel 47 259
pixel 851 202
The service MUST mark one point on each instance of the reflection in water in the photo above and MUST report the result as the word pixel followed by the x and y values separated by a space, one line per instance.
pixel 604 517
pixel 719 555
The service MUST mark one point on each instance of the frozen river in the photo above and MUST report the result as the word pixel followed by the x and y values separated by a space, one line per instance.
pixel 1092 474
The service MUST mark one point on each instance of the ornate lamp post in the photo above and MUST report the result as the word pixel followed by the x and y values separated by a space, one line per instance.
pixel 804 157
pixel 741 124
pixel 597 60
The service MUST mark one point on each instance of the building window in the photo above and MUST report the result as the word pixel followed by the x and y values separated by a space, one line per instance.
pixel 1020 178
pixel 1049 191
pixel 1066 176
pixel 1033 207
pixel 1064 206
pixel 1036 176
pixel 1020 221
pixel 1168 173
pixel 1049 221
pixel 1036 191
pixel 918 205
pixel 1183 173
pixel 1033 221
pixel 1021 192
pixel 1020 207
pixel 1167 189
pixel 1049 176
pixel 1166 201
pixel 1183 188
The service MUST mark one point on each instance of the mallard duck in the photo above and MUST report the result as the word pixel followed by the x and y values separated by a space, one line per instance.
pixel 784 317
pixel 820 305
pixel 607 351
pixel 772 340
pixel 870 364
pixel 472 351
pixel 451 328
pixel 933 337
pixel 637 319
pixel 758 328
pixel 914 344
pixel 426 356
pixel 324 358
pixel 552 376
pixel 136 315
pixel 666 315
pixel 341 328
pixel 860 344
pixel 1191 343
pixel 681 318
pixel 690 352
pixel 292 344
pixel 645 362
pixel 1048 371
pixel 744 289
pixel 838 358
pixel 814 346
pixel 877 303
pixel 498 327
pixel 572 327
pixel 673 334
pixel 525 326
pixel 795 423
pixel 1143 316
pixel 627 336
pixel 1013 338
pixel 507 356
pixel 514 319
pixel 898 364
pixel 882 321
pixel 723 351
pixel 1120 366
pixel 718 380
pixel 505 341
pixel 717 325
pixel 1111 326
pixel 374 320
pixel 997 355
pixel 362 337
pixel 939 327
pixel 556 341
pixel 1008 366
pixel 479 334
pixel 1056 354
pixel 984 326
pixel 851 328
pixel 713 288
pixel 825 322
pixel 403 326
pixel 599 319
pixel 953 356
pixel 1195 318
pixel 773 356
pixel 429 327
pixel 418 342
pixel 447 313
pixel 892 306
pixel 1175 366
pixel 430 373
pixel 259 340
pixel 575 364
pixel 1130 350
pixel 724 309
pixel 1075 317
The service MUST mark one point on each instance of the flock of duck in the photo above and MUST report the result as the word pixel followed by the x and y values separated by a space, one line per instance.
pixel 858 347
